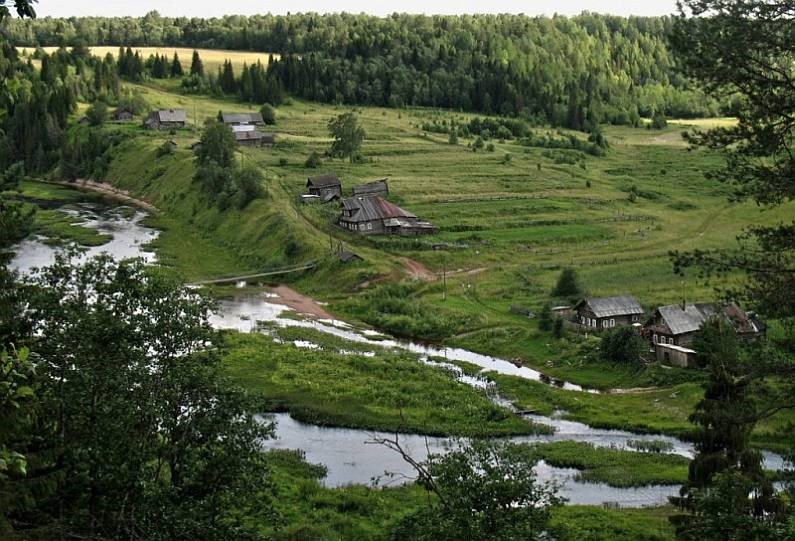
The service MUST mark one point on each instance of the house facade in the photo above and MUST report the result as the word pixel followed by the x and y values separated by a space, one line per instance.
pixel 327 187
pixel 374 215
pixel 599 313
pixel 165 119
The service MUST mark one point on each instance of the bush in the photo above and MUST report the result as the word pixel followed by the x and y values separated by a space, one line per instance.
pixel 313 161
pixel 622 345
pixel 97 113
pixel 490 147
pixel 283 162
pixel 268 114
pixel 478 144
pixel 545 319
pixel 166 149
pixel 658 121
pixel 558 329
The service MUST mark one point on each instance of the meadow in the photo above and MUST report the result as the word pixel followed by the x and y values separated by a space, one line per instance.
pixel 211 58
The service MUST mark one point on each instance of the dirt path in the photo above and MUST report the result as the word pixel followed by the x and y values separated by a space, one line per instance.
pixel 300 303
pixel 417 270
pixel 108 190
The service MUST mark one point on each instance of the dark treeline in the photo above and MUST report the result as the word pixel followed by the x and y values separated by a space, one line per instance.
pixel 565 71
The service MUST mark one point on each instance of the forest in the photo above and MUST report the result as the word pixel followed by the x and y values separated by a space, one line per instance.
pixel 572 72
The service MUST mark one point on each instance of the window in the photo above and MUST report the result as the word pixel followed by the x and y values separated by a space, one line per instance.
pixel 582 320
pixel 369 225
pixel 654 338
pixel 612 322
pixel 671 341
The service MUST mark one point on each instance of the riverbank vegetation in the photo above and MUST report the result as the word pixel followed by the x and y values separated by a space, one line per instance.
pixel 389 391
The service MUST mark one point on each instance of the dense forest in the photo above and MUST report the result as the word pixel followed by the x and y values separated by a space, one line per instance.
pixel 573 72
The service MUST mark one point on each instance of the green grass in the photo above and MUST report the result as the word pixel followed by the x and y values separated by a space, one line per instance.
pixel 390 391
pixel 615 467
pixel 59 228
pixel 586 523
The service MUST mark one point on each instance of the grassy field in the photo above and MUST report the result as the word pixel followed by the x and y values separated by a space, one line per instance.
pixel 383 390
pixel 211 58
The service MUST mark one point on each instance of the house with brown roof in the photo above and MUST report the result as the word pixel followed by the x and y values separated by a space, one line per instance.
pixel 598 313
pixel 374 215
pixel 327 187
pixel 253 138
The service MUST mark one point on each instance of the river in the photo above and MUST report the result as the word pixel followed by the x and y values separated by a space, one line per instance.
pixel 349 454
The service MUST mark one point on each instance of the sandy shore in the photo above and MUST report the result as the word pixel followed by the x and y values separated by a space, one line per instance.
pixel 300 303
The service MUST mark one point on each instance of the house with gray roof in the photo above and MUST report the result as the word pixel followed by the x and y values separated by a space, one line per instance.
pixel 377 187
pixel 598 313
pixel 242 119
pixel 374 215
pixel 678 324
pixel 327 186
pixel 165 119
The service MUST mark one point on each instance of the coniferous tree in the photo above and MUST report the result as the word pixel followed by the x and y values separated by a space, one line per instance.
pixel 196 66
pixel 176 66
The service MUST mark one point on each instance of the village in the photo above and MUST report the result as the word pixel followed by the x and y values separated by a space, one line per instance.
pixel 366 210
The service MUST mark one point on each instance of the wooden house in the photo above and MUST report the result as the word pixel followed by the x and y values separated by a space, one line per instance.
pixel 242 119
pixel 165 119
pixel 675 355
pixel 374 215
pixel 677 324
pixel 253 138
pixel 327 187
pixel 377 187
pixel 598 313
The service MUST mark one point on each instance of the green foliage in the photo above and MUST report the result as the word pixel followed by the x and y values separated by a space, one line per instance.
pixel 17 375
pixel 615 467
pixel 490 147
pixel 390 391
pixel 347 135
pixel 589 523
pixel 545 319
pixel 558 328
pixel 166 149
pixel 453 140
pixel 176 66
pixel 658 121
pixel 483 490
pixel 568 285
pixel 137 425
pixel 313 161
pixel 478 144
pixel 268 114
pixel 622 344
pixel 217 145
pixel 196 65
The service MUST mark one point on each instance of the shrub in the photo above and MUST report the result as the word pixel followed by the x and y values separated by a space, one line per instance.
pixel 283 161
pixel 96 113
pixel 558 330
pixel 545 319
pixel 268 114
pixel 490 147
pixel 622 345
pixel 313 161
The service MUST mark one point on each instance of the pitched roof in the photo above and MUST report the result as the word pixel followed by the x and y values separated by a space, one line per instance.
pixel 377 186
pixel 622 305
pixel 693 316
pixel 172 115
pixel 373 207
pixel 346 256
pixel 242 118
pixel 321 181
pixel 248 136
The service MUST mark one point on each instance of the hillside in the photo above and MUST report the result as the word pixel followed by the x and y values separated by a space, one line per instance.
pixel 510 223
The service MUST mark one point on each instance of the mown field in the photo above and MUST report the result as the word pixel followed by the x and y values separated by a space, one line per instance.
pixel 211 58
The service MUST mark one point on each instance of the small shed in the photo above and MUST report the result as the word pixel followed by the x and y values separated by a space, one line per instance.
pixel 377 187
pixel 347 256
pixel 122 114
pixel 673 355
pixel 324 186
